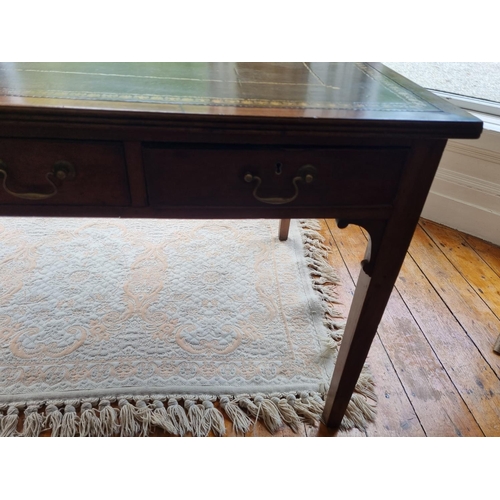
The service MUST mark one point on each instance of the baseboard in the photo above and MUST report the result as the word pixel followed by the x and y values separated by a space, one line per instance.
pixel 470 219
pixel 465 194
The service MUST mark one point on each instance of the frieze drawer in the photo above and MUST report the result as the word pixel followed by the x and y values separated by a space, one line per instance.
pixel 52 172
pixel 204 176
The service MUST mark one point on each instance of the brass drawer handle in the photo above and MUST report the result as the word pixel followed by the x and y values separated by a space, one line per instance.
pixel 305 174
pixel 61 170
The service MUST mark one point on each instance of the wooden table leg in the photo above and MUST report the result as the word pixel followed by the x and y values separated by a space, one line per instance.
pixel 376 279
pixel 389 241
pixel 284 227
pixel 366 311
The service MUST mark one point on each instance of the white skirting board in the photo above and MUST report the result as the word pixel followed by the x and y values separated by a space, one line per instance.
pixel 466 218
pixel 465 194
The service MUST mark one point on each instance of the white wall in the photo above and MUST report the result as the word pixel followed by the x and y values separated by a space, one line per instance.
pixel 465 194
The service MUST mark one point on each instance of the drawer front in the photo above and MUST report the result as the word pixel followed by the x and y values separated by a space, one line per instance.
pixel 62 173
pixel 242 177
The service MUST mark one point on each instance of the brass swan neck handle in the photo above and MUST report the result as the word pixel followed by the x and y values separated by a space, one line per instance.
pixel 306 174
pixel 61 170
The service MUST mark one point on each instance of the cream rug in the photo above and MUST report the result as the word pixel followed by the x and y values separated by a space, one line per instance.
pixel 113 327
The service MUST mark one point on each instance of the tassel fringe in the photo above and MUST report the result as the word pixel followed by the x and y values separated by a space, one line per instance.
pixel 160 418
pixel 177 416
pixel 90 424
pixel 9 423
pixel 181 415
pixel 108 417
pixel 199 425
pixel 240 420
pixel 53 420
pixel 129 426
pixel 214 419
pixel 70 422
pixel 33 422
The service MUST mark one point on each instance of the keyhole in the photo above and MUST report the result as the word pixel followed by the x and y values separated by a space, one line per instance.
pixel 279 167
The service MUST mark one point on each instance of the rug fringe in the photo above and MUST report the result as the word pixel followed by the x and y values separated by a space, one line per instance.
pixel 240 420
pixel 108 417
pixel 70 422
pixel 10 422
pixel 90 424
pixel 177 416
pixel 33 422
pixel 160 418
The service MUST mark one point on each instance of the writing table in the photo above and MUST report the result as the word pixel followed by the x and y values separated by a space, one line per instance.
pixel 351 141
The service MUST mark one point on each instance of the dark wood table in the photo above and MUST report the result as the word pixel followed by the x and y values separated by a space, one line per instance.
pixel 352 141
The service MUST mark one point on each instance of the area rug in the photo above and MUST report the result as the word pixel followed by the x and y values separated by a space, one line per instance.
pixel 117 327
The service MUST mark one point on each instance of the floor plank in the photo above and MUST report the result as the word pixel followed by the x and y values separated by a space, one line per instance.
pixel 473 377
pixel 480 276
pixel 475 317
pixel 488 252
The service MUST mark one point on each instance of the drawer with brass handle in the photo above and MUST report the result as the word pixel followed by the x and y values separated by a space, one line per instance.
pixel 62 173
pixel 246 177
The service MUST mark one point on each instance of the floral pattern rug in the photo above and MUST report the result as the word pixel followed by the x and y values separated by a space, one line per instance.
pixel 111 326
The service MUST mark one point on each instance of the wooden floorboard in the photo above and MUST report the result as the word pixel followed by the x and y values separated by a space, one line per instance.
pixel 470 310
pixel 489 253
pixel 469 264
